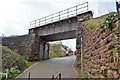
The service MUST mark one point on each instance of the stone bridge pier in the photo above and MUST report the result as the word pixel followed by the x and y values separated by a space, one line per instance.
pixel 39 48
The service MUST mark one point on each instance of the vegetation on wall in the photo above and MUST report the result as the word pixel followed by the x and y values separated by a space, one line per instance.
pixel 102 21
pixel 110 18
pixel 94 23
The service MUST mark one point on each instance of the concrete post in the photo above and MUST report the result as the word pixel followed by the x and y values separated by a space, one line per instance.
pixel 82 49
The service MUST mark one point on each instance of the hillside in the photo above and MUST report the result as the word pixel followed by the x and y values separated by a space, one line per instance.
pixel 13 61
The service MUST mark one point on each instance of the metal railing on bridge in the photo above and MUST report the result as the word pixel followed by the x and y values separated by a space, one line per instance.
pixel 65 14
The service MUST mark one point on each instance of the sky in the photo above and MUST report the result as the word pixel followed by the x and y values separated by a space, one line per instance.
pixel 15 15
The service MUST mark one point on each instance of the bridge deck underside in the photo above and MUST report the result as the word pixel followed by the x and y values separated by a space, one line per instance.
pixel 60 36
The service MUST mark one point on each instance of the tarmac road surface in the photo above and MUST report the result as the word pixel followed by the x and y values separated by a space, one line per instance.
pixel 47 68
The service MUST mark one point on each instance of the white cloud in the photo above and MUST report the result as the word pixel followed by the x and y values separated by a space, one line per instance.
pixel 71 43
pixel 9 16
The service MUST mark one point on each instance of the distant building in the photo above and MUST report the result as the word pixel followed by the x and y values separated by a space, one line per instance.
pixel 57 46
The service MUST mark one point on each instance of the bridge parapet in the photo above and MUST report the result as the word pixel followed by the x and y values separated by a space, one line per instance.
pixel 65 14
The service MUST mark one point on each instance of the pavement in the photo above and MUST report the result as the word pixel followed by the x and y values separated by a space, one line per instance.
pixel 47 68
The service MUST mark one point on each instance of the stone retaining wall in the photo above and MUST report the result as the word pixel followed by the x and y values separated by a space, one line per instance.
pixel 100 52
pixel 30 45
pixel 18 43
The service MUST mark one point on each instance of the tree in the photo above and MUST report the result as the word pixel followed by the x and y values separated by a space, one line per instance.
pixel 65 47
pixel 70 50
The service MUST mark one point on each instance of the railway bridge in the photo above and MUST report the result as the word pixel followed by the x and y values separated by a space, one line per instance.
pixel 59 26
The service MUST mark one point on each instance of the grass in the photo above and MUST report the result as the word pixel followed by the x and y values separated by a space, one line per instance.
pixel 84 74
pixel 54 54
pixel 30 63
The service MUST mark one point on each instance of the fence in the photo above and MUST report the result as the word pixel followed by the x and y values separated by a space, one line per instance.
pixel 67 13
pixel 58 77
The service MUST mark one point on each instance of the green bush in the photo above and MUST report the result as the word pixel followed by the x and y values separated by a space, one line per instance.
pixel 14 72
pixel 110 18
pixel 103 21
pixel 13 61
